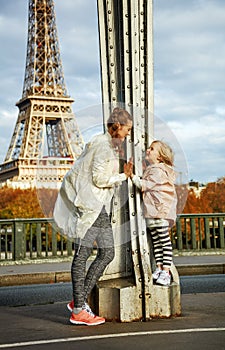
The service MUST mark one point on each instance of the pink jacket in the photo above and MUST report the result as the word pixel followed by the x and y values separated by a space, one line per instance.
pixel 159 193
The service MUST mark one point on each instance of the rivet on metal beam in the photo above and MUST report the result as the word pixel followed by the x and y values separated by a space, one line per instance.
pixel 136 143
pixel 133 214
pixel 134 233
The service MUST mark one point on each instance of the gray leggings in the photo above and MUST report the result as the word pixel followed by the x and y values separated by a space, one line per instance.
pixel 101 233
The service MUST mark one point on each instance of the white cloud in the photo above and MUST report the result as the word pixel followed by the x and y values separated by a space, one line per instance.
pixel 189 65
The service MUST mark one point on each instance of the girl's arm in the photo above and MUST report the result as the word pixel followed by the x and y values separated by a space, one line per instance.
pixel 137 181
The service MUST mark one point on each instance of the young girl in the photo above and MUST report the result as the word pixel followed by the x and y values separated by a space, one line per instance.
pixel 160 200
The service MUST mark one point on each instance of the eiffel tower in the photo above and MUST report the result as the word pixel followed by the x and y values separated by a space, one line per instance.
pixel 46 139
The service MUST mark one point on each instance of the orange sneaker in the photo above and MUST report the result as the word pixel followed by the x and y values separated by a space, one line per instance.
pixel 85 318
pixel 85 307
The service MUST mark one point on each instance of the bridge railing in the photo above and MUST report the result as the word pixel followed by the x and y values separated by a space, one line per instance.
pixel 32 239
pixel 199 232
pixel 37 238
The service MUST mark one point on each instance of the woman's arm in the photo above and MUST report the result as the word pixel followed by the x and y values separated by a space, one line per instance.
pixel 105 168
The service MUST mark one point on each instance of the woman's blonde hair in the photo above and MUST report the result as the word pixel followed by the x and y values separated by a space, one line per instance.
pixel 118 117
pixel 166 154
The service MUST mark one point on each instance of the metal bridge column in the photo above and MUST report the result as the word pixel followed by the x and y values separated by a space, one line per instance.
pixel 126 291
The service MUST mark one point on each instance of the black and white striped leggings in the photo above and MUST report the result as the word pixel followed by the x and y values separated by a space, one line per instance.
pixel 162 245
pixel 82 282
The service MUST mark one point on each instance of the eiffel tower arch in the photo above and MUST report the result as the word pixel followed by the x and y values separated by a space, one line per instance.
pixel 46 139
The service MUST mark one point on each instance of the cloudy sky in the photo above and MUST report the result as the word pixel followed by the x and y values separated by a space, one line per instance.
pixel 189 72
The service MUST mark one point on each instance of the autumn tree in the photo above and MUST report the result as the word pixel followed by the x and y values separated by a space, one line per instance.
pixel 18 203
pixel 213 197
pixel 210 200
pixel 192 203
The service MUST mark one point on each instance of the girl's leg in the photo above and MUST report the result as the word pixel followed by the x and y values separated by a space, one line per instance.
pixel 157 246
pixel 164 237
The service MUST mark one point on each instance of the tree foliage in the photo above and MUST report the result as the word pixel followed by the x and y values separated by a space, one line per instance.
pixel 210 200
pixel 29 203
pixel 33 203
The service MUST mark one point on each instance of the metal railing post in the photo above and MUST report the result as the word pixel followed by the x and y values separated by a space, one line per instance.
pixel 179 234
pixel 19 249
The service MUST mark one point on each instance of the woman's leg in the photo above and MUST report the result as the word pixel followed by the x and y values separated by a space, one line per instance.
pixel 101 232
pixel 105 254
pixel 78 272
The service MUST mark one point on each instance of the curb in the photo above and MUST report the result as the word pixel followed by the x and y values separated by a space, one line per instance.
pixel 65 276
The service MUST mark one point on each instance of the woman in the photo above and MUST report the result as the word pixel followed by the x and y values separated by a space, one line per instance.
pixel 82 210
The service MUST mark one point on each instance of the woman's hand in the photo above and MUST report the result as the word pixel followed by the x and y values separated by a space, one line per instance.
pixel 128 169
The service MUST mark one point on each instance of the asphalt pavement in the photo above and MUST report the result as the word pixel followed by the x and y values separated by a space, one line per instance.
pixel 46 326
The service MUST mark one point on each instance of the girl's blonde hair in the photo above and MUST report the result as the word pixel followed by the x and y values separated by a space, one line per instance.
pixel 166 154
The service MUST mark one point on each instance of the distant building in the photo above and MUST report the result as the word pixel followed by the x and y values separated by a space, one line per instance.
pixel 196 187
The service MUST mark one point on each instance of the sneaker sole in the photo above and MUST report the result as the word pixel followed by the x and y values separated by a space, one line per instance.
pixel 86 324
